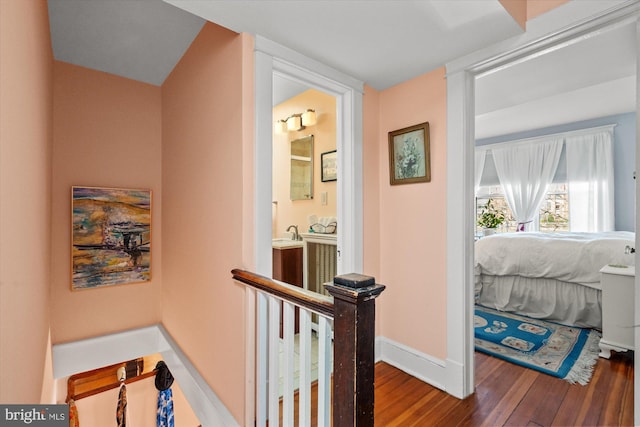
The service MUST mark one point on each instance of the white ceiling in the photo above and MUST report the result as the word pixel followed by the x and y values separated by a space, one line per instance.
pixel 592 78
pixel 379 42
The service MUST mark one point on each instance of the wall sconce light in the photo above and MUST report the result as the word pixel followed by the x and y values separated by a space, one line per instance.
pixel 281 126
pixel 296 122
pixel 309 118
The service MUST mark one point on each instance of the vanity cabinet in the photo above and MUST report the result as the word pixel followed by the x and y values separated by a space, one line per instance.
pixel 287 267
pixel 618 299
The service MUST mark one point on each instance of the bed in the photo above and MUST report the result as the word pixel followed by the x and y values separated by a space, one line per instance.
pixel 553 276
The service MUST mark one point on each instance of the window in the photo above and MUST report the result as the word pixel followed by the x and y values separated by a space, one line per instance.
pixel 553 214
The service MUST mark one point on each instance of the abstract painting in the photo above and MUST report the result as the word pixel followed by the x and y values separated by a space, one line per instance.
pixel 110 237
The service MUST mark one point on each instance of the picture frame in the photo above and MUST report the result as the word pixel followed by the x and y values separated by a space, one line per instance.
pixel 409 155
pixel 110 237
pixel 329 166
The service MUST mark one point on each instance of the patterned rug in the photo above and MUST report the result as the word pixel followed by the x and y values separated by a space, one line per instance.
pixel 562 351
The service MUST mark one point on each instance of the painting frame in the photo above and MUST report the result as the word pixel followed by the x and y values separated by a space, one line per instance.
pixel 111 236
pixel 329 166
pixel 409 155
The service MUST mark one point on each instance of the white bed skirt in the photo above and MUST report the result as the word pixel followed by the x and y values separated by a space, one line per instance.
pixel 562 302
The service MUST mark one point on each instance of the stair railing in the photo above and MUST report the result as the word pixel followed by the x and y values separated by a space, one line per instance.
pixel 351 309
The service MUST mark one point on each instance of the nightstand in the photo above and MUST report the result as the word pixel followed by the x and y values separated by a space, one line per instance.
pixel 618 300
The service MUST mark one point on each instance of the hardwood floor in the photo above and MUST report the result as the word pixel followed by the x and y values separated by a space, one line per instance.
pixel 506 395
pixel 509 395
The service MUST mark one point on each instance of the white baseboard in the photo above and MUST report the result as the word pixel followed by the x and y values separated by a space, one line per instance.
pixel 420 365
pixel 84 355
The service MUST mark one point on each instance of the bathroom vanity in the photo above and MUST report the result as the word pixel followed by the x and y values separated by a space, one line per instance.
pixel 287 267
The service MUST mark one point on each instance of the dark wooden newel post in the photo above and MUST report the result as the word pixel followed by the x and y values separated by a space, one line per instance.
pixel 353 348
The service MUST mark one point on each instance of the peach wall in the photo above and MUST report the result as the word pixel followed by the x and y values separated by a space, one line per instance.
pixel 142 397
pixel 371 190
pixel 286 211
pixel 203 147
pixel 538 7
pixel 518 10
pixel 25 168
pixel 107 133
pixel 525 10
pixel 412 220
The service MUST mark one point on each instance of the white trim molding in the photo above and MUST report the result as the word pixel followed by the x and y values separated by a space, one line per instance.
pixel 274 59
pixel 415 363
pixel 460 179
pixel 636 360
pixel 85 355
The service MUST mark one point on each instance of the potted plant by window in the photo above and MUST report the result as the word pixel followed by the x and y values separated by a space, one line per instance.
pixel 490 218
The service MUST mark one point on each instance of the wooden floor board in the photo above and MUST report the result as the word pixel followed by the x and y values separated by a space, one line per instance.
pixel 510 395
pixel 540 403
pixel 506 395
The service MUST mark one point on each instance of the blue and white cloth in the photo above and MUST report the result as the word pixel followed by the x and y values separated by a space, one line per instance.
pixel 165 408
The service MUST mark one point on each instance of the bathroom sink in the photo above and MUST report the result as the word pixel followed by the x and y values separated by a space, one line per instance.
pixel 283 243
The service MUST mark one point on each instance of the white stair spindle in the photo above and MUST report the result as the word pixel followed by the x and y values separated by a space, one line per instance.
pixel 304 392
pixel 261 360
pixel 324 371
pixel 288 364
pixel 274 356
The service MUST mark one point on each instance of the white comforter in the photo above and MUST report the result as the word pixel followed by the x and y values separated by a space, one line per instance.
pixel 569 257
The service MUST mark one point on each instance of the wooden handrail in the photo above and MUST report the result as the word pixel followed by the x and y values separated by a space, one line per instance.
pixel 353 312
pixel 304 298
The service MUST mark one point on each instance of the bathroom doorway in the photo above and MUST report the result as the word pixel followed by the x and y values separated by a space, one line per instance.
pixel 272 60
pixel 304 186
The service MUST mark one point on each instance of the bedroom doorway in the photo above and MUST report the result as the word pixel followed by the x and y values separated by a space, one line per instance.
pixel 461 78
pixel 557 98
pixel 536 123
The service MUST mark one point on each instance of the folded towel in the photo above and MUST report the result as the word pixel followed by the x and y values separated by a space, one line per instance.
pixel 313 219
pixel 326 220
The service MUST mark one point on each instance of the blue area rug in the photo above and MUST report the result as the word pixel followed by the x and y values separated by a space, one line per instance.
pixel 562 351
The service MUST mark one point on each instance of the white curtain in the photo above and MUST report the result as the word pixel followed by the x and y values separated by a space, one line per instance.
pixel 590 177
pixel 525 172
pixel 481 155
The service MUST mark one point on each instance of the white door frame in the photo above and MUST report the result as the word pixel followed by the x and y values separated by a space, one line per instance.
pixel 568 24
pixel 274 59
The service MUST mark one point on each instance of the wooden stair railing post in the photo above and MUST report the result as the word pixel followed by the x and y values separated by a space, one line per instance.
pixel 353 349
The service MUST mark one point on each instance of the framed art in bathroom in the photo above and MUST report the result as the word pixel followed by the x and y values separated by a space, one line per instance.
pixel 110 237
pixel 329 166
pixel 409 159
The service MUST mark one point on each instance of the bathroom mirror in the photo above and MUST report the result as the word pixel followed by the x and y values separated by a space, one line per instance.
pixel 302 168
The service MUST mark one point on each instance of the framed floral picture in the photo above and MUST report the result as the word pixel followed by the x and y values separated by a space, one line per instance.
pixel 409 159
